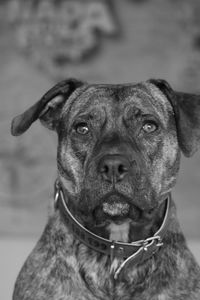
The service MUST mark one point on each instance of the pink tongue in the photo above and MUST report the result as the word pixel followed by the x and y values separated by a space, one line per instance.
pixel 114 207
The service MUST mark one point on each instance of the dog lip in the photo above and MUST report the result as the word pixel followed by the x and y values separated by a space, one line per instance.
pixel 115 204
pixel 116 194
pixel 116 209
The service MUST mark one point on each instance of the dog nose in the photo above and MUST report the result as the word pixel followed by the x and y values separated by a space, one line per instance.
pixel 114 168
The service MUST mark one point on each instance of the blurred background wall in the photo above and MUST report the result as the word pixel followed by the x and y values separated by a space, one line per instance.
pixel 110 41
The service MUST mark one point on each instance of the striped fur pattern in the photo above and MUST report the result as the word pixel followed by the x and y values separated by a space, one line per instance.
pixel 119 149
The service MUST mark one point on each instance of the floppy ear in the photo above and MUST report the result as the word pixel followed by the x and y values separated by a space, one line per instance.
pixel 187 114
pixel 47 109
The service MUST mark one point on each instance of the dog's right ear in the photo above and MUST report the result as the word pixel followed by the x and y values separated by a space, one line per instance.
pixel 47 109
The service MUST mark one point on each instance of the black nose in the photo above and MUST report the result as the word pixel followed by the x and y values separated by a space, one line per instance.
pixel 114 168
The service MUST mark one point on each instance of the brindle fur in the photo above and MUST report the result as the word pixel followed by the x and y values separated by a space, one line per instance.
pixel 62 268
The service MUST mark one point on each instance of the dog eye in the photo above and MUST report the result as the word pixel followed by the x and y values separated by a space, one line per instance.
pixel 82 128
pixel 150 126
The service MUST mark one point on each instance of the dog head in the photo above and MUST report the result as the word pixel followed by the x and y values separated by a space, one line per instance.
pixel 118 149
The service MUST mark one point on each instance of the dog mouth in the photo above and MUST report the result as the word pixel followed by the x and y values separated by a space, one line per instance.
pixel 115 208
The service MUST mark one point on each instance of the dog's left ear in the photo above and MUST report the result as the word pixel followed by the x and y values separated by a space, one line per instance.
pixel 47 108
pixel 187 114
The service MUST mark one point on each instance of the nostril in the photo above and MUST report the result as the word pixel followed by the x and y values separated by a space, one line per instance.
pixel 122 169
pixel 113 168
pixel 104 169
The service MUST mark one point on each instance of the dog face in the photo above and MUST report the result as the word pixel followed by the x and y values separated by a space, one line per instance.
pixel 118 151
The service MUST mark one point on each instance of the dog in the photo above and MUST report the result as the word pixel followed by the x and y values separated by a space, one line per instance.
pixel 113 232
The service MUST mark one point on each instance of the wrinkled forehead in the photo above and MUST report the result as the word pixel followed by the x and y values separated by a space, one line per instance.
pixel 110 99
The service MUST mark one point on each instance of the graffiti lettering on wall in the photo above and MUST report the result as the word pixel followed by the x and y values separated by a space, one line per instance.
pixel 62 31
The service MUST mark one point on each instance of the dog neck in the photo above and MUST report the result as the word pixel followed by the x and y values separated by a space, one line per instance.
pixel 128 253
